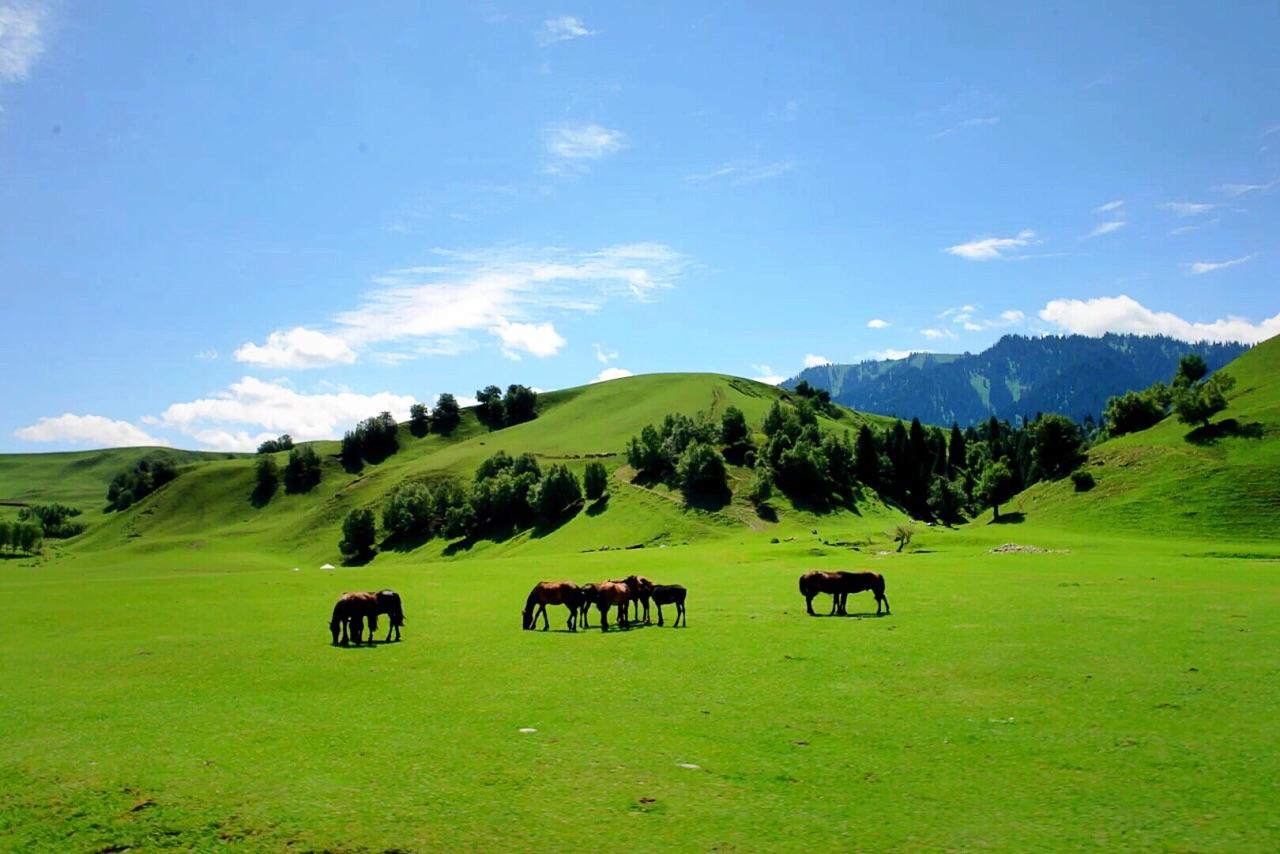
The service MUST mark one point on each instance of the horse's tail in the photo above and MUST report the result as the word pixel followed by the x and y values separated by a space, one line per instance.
pixel 878 586
pixel 804 588
pixel 398 617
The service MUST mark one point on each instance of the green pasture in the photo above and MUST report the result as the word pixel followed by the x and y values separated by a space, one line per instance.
pixel 1106 693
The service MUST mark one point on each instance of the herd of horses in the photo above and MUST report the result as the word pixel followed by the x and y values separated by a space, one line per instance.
pixel 353 610
pixel 633 591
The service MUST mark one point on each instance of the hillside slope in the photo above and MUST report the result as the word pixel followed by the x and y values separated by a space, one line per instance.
pixel 1017 376
pixel 209 505
pixel 1170 480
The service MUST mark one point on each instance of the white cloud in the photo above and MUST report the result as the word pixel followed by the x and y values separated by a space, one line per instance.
pixel 958 311
pixel 979 121
pixel 537 339
pixel 273 407
pixel 297 348
pixel 1200 267
pixel 877 323
pixel 577 142
pixel 744 172
pixel 937 333
pixel 604 356
pixel 812 360
pixel 1113 205
pixel 1189 208
pixel 1012 316
pixel 207 355
pixel 612 374
pixel 766 375
pixel 1125 314
pixel 92 430
pixel 430 310
pixel 1237 190
pixel 21 42
pixel 1106 228
pixel 564 28
pixel 1184 229
pixel 990 248
pixel 892 354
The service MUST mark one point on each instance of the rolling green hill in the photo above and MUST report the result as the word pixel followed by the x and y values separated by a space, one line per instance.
pixel 1169 481
pixel 208 506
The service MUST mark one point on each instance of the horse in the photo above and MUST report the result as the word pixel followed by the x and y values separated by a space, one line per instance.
pixel 609 593
pixel 584 607
pixel 840 585
pixel 642 591
pixel 546 593
pixel 388 602
pixel 670 594
pixel 349 613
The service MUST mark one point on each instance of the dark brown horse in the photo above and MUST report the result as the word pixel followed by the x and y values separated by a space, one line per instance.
pixel 670 594
pixel 388 602
pixel 584 607
pixel 609 594
pixel 349 613
pixel 840 585
pixel 546 593
pixel 641 592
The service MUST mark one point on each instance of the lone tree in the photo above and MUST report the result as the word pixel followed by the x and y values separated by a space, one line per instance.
pixel 302 472
pixel 1196 404
pixel 1057 446
pixel 268 480
pixel 490 410
pixel 595 480
pixel 701 470
pixel 419 421
pixel 446 415
pixel 1191 369
pixel 995 486
pixel 358 533
pixel 520 405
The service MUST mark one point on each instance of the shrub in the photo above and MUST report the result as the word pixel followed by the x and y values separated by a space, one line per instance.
pixel 284 443
pixel 595 480
pixel 761 487
pixel 446 415
pixel 701 470
pixel 135 484
pixel 267 480
pixel 419 421
pixel 1083 480
pixel 52 519
pixel 302 472
pixel 358 533
pixel 557 494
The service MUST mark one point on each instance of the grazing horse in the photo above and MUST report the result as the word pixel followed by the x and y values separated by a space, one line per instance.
pixel 641 592
pixel 670 594
pixel 584 607
pixel 349 613
pixel 388 602
pixel 608 594
pixel 546 593
pixel 840 585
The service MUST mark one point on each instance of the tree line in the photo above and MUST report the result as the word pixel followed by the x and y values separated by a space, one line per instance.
pixel 21 536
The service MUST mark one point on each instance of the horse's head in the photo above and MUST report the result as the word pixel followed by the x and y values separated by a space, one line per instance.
pixel 526 619
pixel 335 628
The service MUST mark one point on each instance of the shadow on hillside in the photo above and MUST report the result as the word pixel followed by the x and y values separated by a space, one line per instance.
pixel 1227 428
pixel 598 506
pixel 549 526
pixel 261 496
pixel 709 501
pixel 360 559
pixel 767 512
pixel 1014 518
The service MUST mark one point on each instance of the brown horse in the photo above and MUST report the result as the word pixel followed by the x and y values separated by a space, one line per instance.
pixel 840 585
pixel 608 594
pixel 641 592
pixel 670 594
pixel 546 593
pixel 349 613
pixel 584 607
pixel 388 602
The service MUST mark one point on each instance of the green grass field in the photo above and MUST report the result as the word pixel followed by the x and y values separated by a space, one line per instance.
pixel 168 680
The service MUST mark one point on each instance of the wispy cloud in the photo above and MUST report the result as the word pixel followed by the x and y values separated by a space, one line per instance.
pixel 977 121
pixel 1275 128
pixel 965 316
pixel 1189 208
pixel 1106 228
pixel 1110 207
pixel 1198 268
pixel 877 323
pixel 1237 190
pixel 207 355
pixel 21 39
pixel 765 374
pixel 992 248
pixel 506 292
pixel 812 360
pixel 1125 314
pixel 743 172
pixel 604 356
pixel 564 28
pixel 937 333
pixel 1184 229
pixel 91 430
pixel 573 145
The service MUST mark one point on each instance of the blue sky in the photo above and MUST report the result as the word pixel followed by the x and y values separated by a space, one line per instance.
pixel 220 222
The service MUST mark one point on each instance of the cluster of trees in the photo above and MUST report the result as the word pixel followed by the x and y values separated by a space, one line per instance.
pixel 820 397
pixel 1192 397
pixel 54 519
pixel 21 536
pixel 495 411
pixel 136 483
pixel 683 452
pixel 284 443
pixel 373 440
pixel 301 474
pixel 506 494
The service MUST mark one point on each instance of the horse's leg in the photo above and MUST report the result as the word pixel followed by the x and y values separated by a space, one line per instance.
pixel 646 610
pixel 542 609
pixel 682 615
pixel 808 604
pixel 573 618
pixel 658 605
pixel 835 604
pixel 604 616
pixel 885 599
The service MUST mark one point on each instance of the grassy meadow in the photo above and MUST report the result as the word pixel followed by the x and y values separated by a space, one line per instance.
pixel 168 681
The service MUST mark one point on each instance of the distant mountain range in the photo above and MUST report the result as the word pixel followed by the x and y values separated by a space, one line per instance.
pixel 1016 377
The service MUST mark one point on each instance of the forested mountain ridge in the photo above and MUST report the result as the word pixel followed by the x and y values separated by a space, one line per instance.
pixel 1017 376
